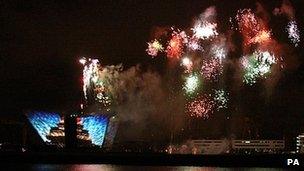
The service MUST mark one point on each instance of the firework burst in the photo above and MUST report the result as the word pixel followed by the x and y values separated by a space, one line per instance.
pixel 201 107
pixel 247 21
pixel 261 37
pixel 175 45
pixel 293 32
pixel 204 30
pixel 211 69
pixel 154 47
pixel 192 83
pixel 250 27
pixel 194 45
pixel 82 60
pixel 93 85
pixel 219 52
pixel 221 99
pixel 90 74
pixel 187 64
pixel 257 65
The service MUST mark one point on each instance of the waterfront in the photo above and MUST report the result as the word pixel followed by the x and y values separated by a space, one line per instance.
pixel 104 167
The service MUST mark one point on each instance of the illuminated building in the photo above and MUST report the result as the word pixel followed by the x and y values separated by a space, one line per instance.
pixel 43 122
pixel 97 116
pixel 94 125
pixel 228 146
pixel 57 134
pixel 264 146
pixel 300 143
pixel 92 130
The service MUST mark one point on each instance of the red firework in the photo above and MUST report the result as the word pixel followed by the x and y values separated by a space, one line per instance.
pixel 201 107
pixel 211 69
pixel 252 28
pixel 248 24
pixel 175 46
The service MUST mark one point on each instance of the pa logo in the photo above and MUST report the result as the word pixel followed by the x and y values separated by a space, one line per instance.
pixel 293 162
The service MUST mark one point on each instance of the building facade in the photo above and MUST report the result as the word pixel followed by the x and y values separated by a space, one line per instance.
pixel 225 146
pixel 300 143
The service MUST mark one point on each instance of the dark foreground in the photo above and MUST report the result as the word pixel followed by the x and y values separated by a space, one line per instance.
pixel 108 167
pixel 137 159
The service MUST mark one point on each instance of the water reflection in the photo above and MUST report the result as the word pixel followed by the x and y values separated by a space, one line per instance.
pixel 104 167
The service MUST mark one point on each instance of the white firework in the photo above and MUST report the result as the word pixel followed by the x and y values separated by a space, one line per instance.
pixel 293 32
pixel 204 30
pixel 219 52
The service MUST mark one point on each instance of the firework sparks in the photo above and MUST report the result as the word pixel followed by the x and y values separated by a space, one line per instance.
pixel 250 27
pixel 90 74
pixel 261 37
pixel 293 32
pixel 194 45
pixel 93 86
pixel 187 64
pixel 154 48
pixel 250 65
pixel 221 99
pixel 183 36
pixel 247 21
pixel 211 69
pixel 175 45
pixel 257 65
pixel 202 107
pixel 191 84
pixel 83 60
pixel 204 30
pixel 219 52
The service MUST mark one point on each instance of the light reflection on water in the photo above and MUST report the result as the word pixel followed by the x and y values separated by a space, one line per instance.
pixel 104 167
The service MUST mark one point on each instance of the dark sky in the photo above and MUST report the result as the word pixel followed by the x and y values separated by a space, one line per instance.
pixel 41 41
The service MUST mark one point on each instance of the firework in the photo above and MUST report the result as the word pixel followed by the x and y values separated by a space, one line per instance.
pixel 194 45
pixel 204 30
pixel 247 21
pixel 90 74
pixel 251 29
pixel 293 32
pixel 261 37
pixel 187 64
pixel 202 107
pixel 192 83
pixel 257 65
pixel 175 45
pixel 219 52
pixel 82 60
pixel 211 69
pixel 221 99
pixel 93 85
pixel 154 47
pixel 183 36
pixel 266 61
pixel 251 72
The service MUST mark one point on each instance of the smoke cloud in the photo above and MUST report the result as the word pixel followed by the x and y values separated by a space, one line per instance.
pixel 285 9
pixel 141 103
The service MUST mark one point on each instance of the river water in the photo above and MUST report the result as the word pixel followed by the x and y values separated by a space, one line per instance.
pixel 105 167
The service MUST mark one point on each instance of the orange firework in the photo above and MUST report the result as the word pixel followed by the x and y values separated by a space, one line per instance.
pixel 262 37
pixel 252 28
pixel 175 45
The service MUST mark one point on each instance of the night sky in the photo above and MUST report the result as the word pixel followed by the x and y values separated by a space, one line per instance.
pixel 41 43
